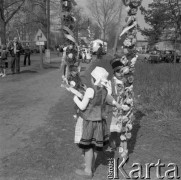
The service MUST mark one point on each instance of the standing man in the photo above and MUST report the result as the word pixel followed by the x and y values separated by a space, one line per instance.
pixel 15 50
pixel 27 55
pixel 100 51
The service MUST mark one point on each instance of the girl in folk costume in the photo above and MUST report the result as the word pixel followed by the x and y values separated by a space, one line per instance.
pixel 94 135
pixel 120 124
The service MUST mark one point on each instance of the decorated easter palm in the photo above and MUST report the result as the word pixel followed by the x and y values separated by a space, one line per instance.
pixel 123 67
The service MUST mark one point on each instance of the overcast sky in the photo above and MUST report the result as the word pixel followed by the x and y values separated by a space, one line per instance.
pixel 140 18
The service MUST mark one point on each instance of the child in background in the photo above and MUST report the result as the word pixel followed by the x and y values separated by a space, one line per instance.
pixel 74 81
pixel 74 76
pixel 94 135
pixel 3 61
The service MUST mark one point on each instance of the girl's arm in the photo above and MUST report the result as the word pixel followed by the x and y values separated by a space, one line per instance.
pixel 111 101
pixel 89 94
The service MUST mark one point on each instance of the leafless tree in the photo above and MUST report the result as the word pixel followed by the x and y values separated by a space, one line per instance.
pixel 104 12
pixel 8 8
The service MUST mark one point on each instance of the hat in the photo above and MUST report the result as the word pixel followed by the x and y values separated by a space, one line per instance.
pixel 116 63
pixel 100 75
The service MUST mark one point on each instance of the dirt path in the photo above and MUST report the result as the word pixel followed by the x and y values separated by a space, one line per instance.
pixel 25 103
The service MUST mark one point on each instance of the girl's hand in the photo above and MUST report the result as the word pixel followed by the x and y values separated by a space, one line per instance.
pixel 75 99
pixel 118 106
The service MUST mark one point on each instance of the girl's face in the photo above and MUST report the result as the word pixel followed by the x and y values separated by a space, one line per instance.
pixel 118 73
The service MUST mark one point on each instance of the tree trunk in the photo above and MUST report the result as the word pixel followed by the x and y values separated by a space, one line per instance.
pixel 175 43
pixel 175 50
pixel 118 32
pixel 3 32
pixel 48 23
pixel 2 23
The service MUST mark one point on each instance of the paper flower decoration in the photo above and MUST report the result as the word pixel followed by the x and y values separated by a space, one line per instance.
pixel 129 101
pixel 72 83
pixel 125 70
pixel 135 3
pixel 130 79
pixel 122 137
pixel 121 149
pixel 125 118
pixel 124 60
pixel 129 126
pixel 133 61
pixel 128 135
pixel 127 42
pixel 132 11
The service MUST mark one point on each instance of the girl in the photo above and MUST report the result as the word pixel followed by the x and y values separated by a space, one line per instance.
pixel 121 123
pixel 94 135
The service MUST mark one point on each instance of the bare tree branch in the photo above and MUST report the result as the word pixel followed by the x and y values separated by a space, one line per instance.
pixel 14 12
pixel 104 12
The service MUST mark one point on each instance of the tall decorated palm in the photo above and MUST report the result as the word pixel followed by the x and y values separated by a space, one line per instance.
pixel 68 20
pixel 123 85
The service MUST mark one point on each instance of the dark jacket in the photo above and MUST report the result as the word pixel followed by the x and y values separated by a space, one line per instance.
pixel 18 47
pixel 94 110
pixel 99 52
pixel 27 50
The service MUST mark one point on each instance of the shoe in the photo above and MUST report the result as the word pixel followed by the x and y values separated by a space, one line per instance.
pixel 3 75
pixel 125 157
pixel 84 174
pixel 93 169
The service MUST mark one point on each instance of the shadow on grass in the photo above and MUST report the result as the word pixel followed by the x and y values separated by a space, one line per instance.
pixel 28 71
pixel 136 126
pixel 51 67
pixel 103 157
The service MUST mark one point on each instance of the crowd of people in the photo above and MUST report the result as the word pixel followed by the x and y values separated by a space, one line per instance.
pixel 15 49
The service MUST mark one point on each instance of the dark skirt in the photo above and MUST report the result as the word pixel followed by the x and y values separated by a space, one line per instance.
pixel 95 135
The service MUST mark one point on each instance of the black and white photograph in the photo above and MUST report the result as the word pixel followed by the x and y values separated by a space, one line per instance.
pixel 90 89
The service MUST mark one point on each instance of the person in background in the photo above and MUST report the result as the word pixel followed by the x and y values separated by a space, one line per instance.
pixel 100 52
pixel 15 49
pixel 27 54
pixel 3 61
pixel 61 49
